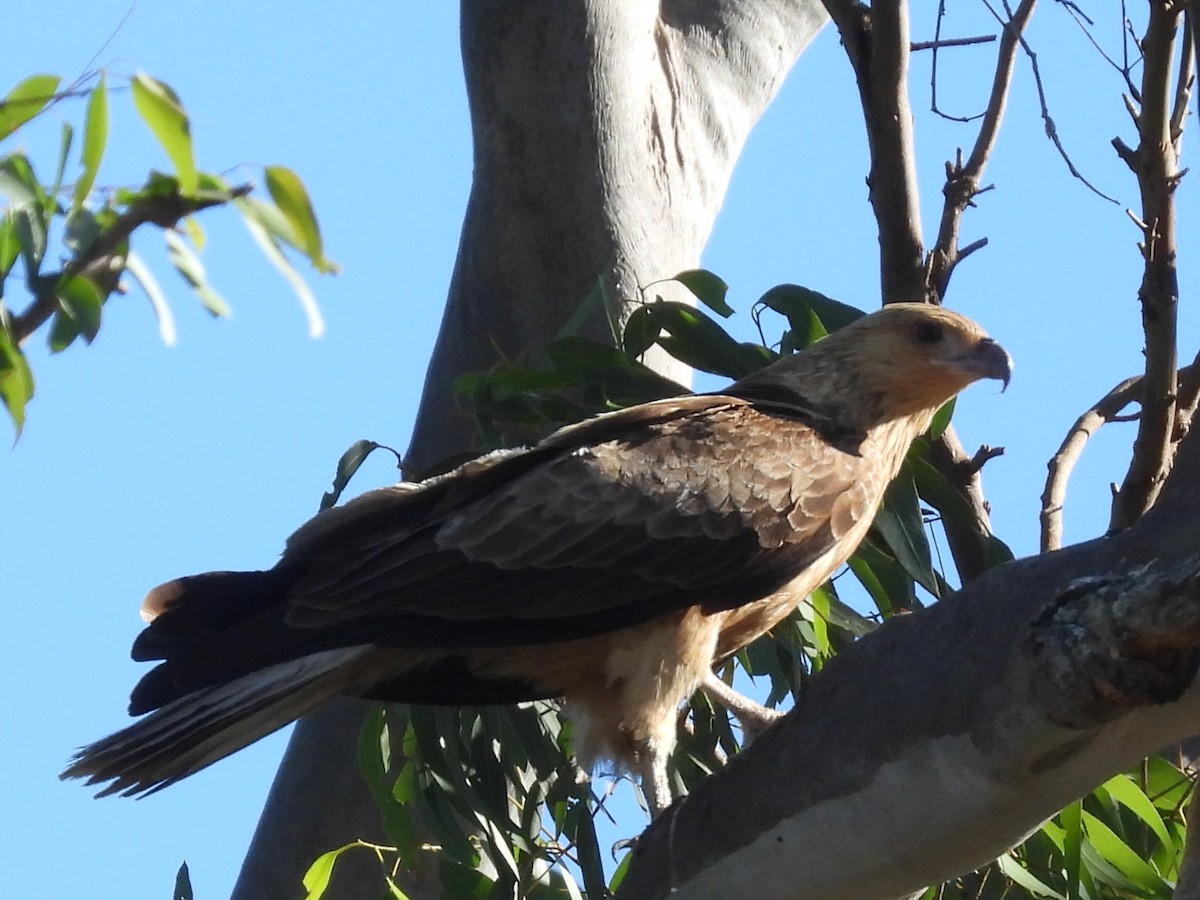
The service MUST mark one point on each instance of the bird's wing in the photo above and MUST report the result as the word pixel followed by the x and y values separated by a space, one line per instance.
pixel 627 517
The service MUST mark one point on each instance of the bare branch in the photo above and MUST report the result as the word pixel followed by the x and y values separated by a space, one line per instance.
pixel 1063 462
pixel 1157 168
pixel 103 262
pixel 877 41
pixel 962 181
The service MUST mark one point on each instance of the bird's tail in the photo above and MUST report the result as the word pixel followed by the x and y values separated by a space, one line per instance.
pixel 196 730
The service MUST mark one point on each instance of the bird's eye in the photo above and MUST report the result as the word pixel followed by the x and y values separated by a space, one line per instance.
pixel 929 332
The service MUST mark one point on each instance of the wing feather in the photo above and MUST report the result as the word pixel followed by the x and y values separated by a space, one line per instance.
pixel 643 520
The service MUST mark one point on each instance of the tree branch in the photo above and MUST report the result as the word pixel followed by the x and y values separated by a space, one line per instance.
pixel 877 42
pixel 103 261
pixel 1071 677
pixel 1156 163
pixel 1061 464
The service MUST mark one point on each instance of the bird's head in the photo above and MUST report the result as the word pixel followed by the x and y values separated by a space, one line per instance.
pixel 916 355
pixel 903 360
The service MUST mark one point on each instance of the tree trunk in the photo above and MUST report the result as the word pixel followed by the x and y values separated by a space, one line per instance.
pixel 605 134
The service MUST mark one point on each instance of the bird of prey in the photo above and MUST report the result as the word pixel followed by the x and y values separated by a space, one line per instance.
pixel 611 565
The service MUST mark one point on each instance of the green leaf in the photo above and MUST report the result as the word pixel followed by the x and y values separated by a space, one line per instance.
pixel 1119 854
pixel 708 288
pixel 941 420
pixel 1166 785
pixel 31 236
pixel 19 183
pixel 154 293
pixel 254 218
pixel 183 884
pixel 95 138
pixel 10 247
pixel 1026 879
pixel 902 528
pixel 884 579
pixel 29 203
pixel 1072 846
pixel 25 101
pixel 1125 791
pixel 809 313
pixel 287 190
pixel 349 463
pixel 79 301
pixel 162 111
pixel 316 879
pixel 188 265
pixel 700 342
pixel 16 378
pixel 64 149
pixel 641 331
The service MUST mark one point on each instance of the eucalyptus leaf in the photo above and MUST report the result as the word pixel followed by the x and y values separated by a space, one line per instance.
pixel 25 101
pixel 16 378
pixel 708 288
pixel 900 524
pixel 273 253
pixel 189 267
pixel 81 300
pixel 95 139
pixel 289 194
pixel 162 111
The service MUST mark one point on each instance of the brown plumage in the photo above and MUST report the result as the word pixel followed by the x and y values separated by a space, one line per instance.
pixel 611 565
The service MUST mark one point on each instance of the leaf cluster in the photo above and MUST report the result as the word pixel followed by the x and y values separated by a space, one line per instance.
pixel 75 242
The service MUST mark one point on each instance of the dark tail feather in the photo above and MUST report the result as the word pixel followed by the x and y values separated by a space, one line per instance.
pixel 187 610
pixel 197 730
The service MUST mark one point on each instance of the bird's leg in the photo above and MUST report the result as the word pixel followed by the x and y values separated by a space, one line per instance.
pixel 657 789
pixel 754 717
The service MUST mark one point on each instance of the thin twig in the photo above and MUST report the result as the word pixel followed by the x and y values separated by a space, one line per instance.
pixel 917 46
pixel 1047 119
pixel 1063 462
pixel 1085 25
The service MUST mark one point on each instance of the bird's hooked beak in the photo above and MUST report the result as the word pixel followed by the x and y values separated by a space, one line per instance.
pixel 987 359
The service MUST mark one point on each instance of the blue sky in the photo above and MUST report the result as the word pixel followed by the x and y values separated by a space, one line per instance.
pixel 141 462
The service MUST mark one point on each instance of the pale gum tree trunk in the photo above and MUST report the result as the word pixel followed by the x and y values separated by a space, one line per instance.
pixel 605 134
